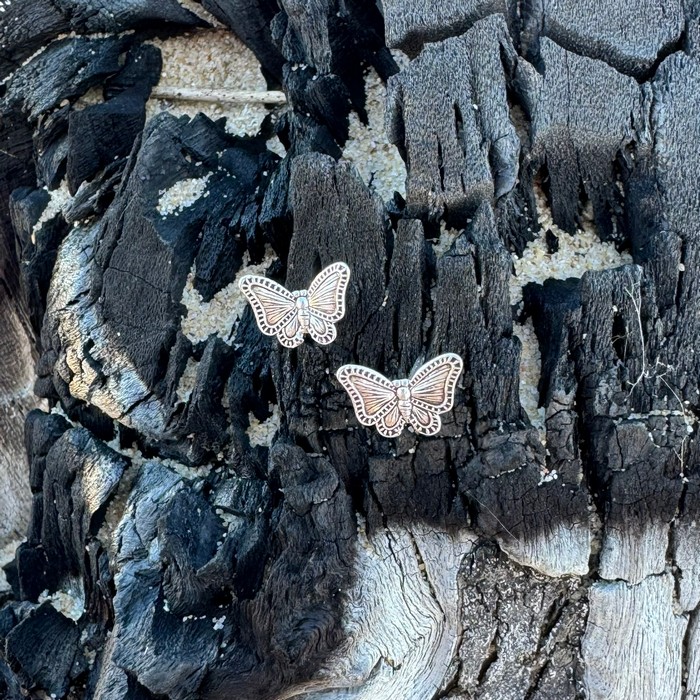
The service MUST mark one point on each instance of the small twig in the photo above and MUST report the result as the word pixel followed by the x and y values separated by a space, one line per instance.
pixel 498 520
pixel 237 97
pixel 638 313
pixel 688 423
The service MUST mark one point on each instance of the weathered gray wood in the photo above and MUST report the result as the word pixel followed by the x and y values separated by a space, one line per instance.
pixel 686 549
pixel 16 399
pixel 648 637
pixel 692 659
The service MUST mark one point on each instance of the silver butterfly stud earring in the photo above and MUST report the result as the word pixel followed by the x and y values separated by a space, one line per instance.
pixel 391 405
pixel 291 315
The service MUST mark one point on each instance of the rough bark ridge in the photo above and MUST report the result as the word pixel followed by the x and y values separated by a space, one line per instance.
pixel 204 516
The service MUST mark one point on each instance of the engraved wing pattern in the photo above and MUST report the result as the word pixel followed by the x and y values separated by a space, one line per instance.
pixel 391 423
pixel 327 292
pixel 433 385
pixel 273 306
pixel 424 422
pixel 321 330
pixel 373 397
pixel 433 392
pixel 291 335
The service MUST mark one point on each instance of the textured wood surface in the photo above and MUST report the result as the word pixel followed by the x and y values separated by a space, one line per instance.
pixel 449 113
pixel 16 398
pixel 629 37
pixel 203 516
pixel 649 637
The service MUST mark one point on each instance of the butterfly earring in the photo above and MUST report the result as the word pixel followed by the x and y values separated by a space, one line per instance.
pixel 290 315
pixel 418 401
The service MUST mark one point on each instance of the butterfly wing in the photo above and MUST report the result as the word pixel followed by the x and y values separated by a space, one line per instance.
pixel 373 396
pixel 433 385
pixel 321 330
pixel 425 422
pixel 327 292
pixel 290 334
pixel 390 423
pixel 274 307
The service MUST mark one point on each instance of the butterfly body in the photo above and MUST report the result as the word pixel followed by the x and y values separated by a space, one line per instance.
pixel 303 310
pixel 403 397
pixel 391 405
pixel 292 315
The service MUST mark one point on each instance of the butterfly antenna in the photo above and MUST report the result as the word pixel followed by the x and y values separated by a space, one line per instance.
pixel 498 520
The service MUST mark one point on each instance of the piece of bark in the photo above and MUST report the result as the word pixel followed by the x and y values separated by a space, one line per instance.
pixel 9 683
pixel 226 238
pixel 102 133
pixel 37 245
pixel 505 479
pixel 204 416
pixel 17 351
pixel 448 112
pixel 472 316
pixel 636 536
pixel 410 25
pixel 43 647
pixel 630 38
pixel 583 115
pixel 325 98
pixel 674 121
pixel 138 603
pixel 324 76
pixel 64 71
pixel 553 306
pixel 638 475
pixel 407 295
pixel 26 26
pixel 300 135
pixel 29 26
pixel 638 489
pixel 51 145
pixel 73 476
pixel 111 682
pixel 315 34
pixel 76 372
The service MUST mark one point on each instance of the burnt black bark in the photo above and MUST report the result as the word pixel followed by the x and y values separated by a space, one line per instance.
pixel 206 516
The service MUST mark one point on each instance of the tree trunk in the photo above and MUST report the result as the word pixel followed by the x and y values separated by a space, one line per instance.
pixel 204 515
